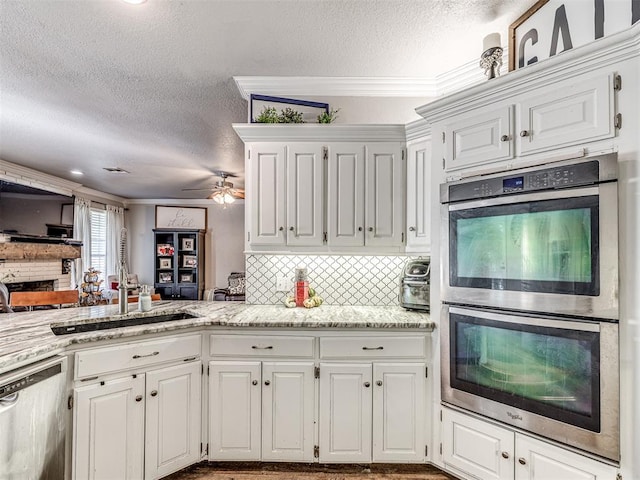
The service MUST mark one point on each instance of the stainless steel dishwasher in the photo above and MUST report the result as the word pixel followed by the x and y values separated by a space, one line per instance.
pixel 32 421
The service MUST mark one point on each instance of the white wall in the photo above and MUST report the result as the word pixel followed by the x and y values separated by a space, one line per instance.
pixel 224 240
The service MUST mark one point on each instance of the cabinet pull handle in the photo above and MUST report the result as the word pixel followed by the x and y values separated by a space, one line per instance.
pixel 505 138
pixel 139 398
pixel 524 133
pixel 154 393
pixel 370 229
pixel 255 382
pixel 367 384
pixel 291 229
pixel 522 461
pixel 379 383
pixel 373 348
pixel 281 229
pixel 412 229
pixel 359 229
pixel 267 382
pixel 256 347
pixel 152 354
pixel 505 455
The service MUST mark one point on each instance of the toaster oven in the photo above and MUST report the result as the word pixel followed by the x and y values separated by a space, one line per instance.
pixel 414 284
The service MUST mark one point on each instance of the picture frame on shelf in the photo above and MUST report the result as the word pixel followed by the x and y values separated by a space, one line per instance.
pixel 186 278
pixel 188 244
pixel 309 110
pixel 165 249
pixel 165 263
pixel 189 261
pixel 165 277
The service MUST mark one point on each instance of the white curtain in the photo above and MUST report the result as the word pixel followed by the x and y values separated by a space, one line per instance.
pixel 81 231
pixel 115 223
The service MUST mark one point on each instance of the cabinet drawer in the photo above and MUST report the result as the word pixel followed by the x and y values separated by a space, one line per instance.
pixel 104 360
pixel 261 346
pixel 367 347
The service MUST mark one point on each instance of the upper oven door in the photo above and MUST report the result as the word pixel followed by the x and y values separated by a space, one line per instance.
pixel 552 251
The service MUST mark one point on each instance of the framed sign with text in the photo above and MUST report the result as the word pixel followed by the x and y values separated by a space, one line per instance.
pixel 188 218
pixel 551 27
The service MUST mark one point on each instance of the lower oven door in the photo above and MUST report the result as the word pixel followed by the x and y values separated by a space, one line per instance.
pixel 557 378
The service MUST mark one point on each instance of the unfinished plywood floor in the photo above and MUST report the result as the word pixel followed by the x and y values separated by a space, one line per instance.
pixel 297 471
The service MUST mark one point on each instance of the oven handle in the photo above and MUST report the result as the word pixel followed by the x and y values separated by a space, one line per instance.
pixel 526 197
pixel 538 320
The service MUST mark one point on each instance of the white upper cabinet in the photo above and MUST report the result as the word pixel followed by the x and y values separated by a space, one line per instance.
pixel 567 114
pixel 384 194
pixel 267 193
pixel 345 200
pixel 508 125
pixel 305 194
pixel 326 188
pixel 419 196
pixel 484 137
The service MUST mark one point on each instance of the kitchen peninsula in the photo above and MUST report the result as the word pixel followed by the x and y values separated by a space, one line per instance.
pixel 235 382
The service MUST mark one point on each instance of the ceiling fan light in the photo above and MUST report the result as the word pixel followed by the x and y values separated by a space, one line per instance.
pixel 216 197
pixel 228 198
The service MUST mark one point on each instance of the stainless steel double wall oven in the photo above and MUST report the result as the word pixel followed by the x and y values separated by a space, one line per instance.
pixel 530 291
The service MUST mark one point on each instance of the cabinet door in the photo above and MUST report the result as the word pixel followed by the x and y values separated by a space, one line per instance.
pixel 384 204
pixel 398 412
pixel 477 448
pixel 568 114
pixel 419 196
pixel 345 202
pixel 234 410
pixel 305 194
pixel 484 138
pixel 345 413
pixel 288 420
pixel 172 419
pixel 536 460
pixel 108 438
pixel 267 193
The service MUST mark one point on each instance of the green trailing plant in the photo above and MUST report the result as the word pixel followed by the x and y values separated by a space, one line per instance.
pixel 268 115
pixel 328 117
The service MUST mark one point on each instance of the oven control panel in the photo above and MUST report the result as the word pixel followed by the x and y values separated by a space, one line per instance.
pixel 585 173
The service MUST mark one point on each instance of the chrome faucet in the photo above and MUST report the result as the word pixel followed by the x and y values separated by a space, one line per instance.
pixel 123 303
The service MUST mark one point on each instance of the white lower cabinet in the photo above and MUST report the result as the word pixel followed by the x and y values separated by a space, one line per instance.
pixel 108 439
pixel 138 426
pixel 261 410
pixel 372 412
pixel 486 451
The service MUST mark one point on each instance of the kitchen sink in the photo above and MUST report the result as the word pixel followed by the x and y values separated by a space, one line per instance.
pixel 108 323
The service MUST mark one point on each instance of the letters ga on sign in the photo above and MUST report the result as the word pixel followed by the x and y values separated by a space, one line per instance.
pixel 188 218
pixel 550 27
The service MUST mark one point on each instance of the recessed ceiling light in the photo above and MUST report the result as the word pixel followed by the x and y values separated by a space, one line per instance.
pixel 76 172
pixel 134 2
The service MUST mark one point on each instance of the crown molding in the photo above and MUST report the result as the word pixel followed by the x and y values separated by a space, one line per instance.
pixel 418 130
pixel 309 132
pixel 180 202
pixel 337 86
pixel 34 178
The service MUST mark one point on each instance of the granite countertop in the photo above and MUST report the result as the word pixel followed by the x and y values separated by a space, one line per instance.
pixel 27 335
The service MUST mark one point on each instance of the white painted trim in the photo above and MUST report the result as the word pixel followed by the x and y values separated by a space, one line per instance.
pixel 177 202
pixel 337 86
pixel 417 130
pixel 34 178
pixel 254 132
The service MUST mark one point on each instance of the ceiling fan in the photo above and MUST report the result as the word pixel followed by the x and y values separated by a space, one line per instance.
pixel 222 191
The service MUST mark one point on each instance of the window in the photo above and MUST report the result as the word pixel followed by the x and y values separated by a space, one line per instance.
pixel 99 241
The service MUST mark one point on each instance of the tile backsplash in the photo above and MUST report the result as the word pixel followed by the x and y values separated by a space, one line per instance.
pixel 371 280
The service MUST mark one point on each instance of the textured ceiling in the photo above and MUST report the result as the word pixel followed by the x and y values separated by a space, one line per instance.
pixel 149 88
